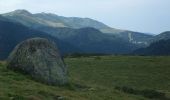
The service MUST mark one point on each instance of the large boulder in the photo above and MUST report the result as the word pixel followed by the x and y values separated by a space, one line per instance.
pixel 39 58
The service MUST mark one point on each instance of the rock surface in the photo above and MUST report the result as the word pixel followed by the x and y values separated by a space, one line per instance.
pixel 39 58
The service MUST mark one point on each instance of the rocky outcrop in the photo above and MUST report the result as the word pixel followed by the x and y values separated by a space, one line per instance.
pixel 39 58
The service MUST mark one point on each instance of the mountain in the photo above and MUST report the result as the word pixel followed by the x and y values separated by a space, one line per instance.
pixel 91 40
pixel 72 22
pixel 137 38
pixel 3 18
pixel 84 40
pixel 41 20
pixel 161 47
pixel 52 20
pixel 161 36
pixel 87 35
pixel 12 33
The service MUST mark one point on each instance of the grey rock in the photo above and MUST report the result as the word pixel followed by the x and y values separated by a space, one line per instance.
pixel 39 58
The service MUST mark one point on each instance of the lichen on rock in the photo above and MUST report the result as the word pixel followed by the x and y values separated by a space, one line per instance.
pixel 39 58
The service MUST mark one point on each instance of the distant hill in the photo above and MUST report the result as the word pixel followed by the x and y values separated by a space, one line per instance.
pixel 72 22
pixel 87 39
pixel 161 36
pixel 50 21
pixel 161 47
pixel 91 40
pixel 3 18
pixel 137 38
pixel 13 33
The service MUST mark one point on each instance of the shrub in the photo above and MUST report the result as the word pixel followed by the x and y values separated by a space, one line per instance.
pixel 152 94
pixel 16 97
pixel 97 58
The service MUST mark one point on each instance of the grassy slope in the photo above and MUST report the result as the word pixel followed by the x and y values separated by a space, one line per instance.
pixel 101 75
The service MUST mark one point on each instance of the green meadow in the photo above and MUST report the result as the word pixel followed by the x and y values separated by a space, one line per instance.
pixel 96 78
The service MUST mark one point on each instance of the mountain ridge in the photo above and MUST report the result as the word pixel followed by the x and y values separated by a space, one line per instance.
pixel 87 37
pixel 40 20
pixel 159 45
pixel 65 20
pixel 12 33
pixel 158 48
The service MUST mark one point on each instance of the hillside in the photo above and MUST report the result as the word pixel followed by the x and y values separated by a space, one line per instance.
pixel 161 36
pixel 161 47
pixel 137 38
pixel 13 33
pixel 91 40
pixel 94 78
pixel 86 40
pixel 50 21
pixel 72 22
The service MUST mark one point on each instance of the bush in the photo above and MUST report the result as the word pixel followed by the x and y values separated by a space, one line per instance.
pixel 152 94
pixel 97 58
pixel 16 97
pixel 75 55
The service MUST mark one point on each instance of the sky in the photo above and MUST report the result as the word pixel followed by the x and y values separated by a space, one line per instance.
pixel 149 16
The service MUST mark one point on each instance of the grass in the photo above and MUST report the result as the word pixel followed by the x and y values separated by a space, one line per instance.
pixel 93 78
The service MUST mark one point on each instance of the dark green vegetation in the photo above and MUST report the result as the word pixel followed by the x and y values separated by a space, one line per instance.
pixel 152 94
pixel 96 78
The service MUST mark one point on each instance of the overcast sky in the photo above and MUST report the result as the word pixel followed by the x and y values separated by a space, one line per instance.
pixel 151 16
